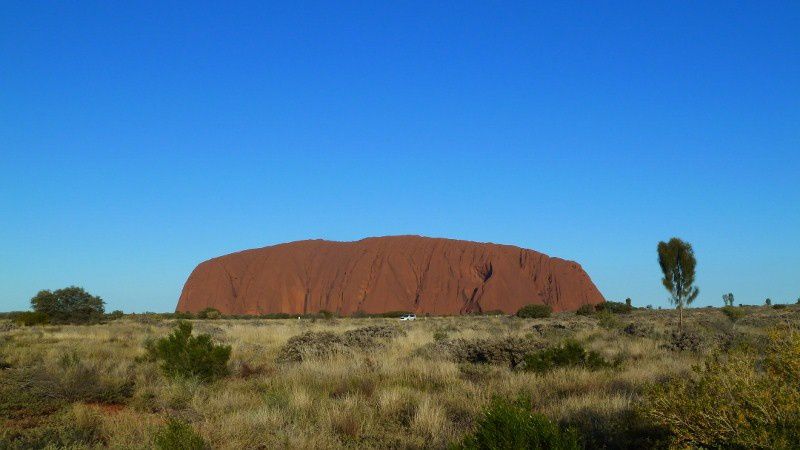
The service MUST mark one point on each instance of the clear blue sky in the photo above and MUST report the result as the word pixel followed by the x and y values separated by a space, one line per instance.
pixel 137 140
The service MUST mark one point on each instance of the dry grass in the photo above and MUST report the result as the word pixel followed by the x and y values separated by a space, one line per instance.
pixel 389 396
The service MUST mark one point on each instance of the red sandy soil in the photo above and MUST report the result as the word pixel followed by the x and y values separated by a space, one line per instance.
pixel 395 273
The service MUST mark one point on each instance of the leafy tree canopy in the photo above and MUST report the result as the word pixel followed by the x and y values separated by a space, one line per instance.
pixel 69 305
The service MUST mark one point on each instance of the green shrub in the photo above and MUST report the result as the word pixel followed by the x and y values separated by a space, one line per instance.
pixel 69 305
pixel 184 355
pixel 779 306
pixel 570 354
pixel 733 313
pixel 178 435
pixel 748 400
pixel 505 425
pixel 209 313
pixel 585 310
pixel 614 307
pixel 394 314
pixel 182 315
pixel 29 318
pixel 115 315
pixel 608 320
pixel 535 311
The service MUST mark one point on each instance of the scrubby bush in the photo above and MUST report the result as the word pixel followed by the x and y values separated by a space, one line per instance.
pixel 779 306
pixel 534 311
pixel 178 435
pixel 608 320
pixel 637 329
pixel 733 313
pixel 680 341
pixel 507 351
pixel 585 310
pixel 325 314
pixel 316 344
pixel 209 313
pixel 748 400
pixel 394 314
pixel 569 354
pixel 440 335
pixel 69 305
pixel 29 318
pixel 311 344
pixel 184 355
pixel 506 425
pixel 115 315
pixel 614 307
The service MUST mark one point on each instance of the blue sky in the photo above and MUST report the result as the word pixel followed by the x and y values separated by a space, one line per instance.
pixel 137 140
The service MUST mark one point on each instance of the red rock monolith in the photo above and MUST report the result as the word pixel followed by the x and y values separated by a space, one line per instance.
pixel 394 273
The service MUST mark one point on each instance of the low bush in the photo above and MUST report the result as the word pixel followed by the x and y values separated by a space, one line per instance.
pixel 507 351
pixel 569 354
pixel 370 337
pixel 311 344
pixel 181 315
pixel 608 320
pixel 184 355
pixel 733 313
pixel 745 401
pixel 506 425
pixel 585 310
pixel 637 329
pixel 209 313
pixel 325 314
pixel 29 318
pixel 535 311
pixel 178 435
pixel 115 315
pixel 614 307
pixel 316 344
pixel 617 430
pixel 681 341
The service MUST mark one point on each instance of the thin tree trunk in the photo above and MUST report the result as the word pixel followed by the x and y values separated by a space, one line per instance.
pixel 680 318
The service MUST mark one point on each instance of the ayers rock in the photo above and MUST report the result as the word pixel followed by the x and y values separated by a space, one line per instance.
pixel 395 273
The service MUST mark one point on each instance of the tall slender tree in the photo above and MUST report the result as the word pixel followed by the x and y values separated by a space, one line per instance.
pixel 728 299
pixel 678 263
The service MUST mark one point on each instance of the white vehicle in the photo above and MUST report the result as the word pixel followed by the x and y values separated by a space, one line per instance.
pixel 408 317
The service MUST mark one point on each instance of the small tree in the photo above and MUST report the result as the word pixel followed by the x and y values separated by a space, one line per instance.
pixel 768 301
pixel 629 303
pixel 69 305
pixel 677 262
pixel 728 299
